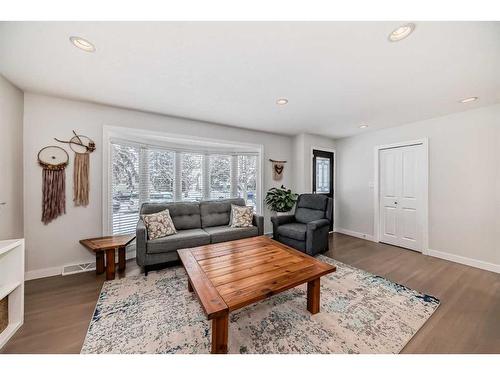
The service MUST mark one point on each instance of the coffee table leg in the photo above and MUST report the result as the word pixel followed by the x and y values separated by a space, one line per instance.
pixel 110 264
pixel 99 262
pixel 121 259
pixel 219 334
pixel 190 286
pixel 313 288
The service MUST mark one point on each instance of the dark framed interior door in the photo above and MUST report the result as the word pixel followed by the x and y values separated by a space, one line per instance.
pixel 322 177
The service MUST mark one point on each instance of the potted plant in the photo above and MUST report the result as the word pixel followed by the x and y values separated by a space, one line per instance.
pixel 280 200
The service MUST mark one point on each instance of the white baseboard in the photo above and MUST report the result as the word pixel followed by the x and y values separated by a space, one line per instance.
pixel 57 271
pixel 352 233
pixel 45 272
pixel 464 260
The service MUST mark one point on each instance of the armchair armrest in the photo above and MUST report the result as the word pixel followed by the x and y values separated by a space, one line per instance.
pixel 258 221
pixel 317 236
pixel 283 219
pixel 280 220
pixel 313 225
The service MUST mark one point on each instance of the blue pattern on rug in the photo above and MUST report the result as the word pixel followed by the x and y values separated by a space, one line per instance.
pixel 360 313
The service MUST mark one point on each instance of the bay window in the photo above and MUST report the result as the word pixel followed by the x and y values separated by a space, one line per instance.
pixel 145 173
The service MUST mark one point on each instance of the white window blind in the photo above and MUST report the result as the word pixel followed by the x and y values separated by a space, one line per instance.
pixel 124 188
pixel 191 176
pixel 219 168
pixel 247 179
pixel 146 173
pixel 160 175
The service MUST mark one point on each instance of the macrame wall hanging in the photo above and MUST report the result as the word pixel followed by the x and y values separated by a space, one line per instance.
pixel 278 168
pixel 53 160
pixel 82 146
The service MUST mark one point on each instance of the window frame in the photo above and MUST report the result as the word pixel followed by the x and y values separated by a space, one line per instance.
pixel 205 146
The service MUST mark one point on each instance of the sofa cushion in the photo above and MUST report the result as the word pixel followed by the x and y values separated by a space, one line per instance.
pixel 241 216
pixel 185 215
pixel 226 233
pixel 305 215
pixel 152 208
pixel 313 201
pixel 311 207
pixel 159 225
pixel 216 213
pixel 297 231
pixel 180 240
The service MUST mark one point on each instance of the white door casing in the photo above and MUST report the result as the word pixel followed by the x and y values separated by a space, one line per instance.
pixel 401 200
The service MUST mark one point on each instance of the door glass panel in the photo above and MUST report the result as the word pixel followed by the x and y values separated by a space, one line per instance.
pixel 322 175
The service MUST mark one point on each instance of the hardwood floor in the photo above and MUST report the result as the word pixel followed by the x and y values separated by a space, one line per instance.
pixel 58 309
pixel 468 319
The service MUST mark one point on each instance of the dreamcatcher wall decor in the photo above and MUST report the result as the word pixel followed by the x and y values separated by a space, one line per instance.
pixel 53 160
pixel 82 146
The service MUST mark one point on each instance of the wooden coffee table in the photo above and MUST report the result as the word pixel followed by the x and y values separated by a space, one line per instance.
pixel 108 245
pixel 230 275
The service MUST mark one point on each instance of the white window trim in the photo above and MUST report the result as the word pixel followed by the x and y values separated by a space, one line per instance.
pixel 134 134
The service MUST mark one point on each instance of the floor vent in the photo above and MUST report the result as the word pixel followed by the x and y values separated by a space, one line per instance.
pixel 77 268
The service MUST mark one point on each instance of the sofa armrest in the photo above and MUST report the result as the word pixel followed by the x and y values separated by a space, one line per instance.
pixel 280 220
pixel 313 225
pixel 141 238
pixel 258 221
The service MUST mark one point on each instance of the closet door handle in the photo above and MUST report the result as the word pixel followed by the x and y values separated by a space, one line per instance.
pixel 3 203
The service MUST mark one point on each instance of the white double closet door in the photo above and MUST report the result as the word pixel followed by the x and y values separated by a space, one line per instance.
pixel 402 182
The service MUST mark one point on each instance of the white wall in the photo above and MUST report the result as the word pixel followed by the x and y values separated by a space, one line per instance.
pixel 11 160
pixel 303 144
pixel 49 247
pixel 464 181
pixel 464 195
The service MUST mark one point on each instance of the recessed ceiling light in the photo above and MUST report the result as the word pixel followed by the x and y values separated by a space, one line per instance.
pixel 83 44
pixel 282 101
pixel 468 100
pixel 364 126
pixel 401 32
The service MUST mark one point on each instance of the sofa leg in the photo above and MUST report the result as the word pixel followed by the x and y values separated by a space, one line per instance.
pixel 146 269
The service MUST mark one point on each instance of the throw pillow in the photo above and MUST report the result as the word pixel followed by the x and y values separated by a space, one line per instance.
pixel 159 225
pixel 241 216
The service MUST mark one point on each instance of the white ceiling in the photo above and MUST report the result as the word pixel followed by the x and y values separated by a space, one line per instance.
pixel 336 75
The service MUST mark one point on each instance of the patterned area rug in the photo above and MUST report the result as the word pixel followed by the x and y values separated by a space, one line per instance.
pixel 360 313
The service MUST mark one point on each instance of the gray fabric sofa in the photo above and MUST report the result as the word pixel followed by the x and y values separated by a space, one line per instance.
pixel 307 229
pixel 197 224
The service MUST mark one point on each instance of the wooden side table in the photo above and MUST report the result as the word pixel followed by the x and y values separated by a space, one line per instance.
pixel 107 246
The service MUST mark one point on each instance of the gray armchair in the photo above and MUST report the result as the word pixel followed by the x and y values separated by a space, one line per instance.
pixel 307 229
